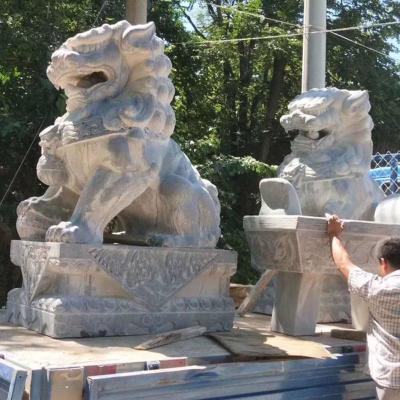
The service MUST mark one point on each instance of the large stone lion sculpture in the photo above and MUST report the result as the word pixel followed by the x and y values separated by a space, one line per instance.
pixel 110 156
pixel 331 154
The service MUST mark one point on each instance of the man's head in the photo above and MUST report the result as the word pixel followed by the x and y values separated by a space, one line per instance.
pixel 388 254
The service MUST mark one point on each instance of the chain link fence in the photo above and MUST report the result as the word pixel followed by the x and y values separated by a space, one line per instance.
pixel 385 170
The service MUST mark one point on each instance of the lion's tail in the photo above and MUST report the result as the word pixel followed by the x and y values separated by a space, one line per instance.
pixel 213 191
pixel 211 214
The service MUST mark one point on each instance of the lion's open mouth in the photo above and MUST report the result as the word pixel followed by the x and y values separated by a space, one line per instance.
pixel 90 80
pixel 85 80
pixel 313 135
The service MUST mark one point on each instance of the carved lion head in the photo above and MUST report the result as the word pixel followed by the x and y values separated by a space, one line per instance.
pixel 119 72
pixel 320 113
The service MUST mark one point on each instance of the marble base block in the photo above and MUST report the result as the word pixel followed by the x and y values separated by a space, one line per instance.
pixel 76 290
pixel 299 245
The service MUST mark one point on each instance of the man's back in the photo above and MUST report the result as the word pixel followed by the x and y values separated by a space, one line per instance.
pixel 382 294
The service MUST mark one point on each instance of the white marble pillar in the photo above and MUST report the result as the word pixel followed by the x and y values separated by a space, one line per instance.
pixel 136 11
pixel 314 45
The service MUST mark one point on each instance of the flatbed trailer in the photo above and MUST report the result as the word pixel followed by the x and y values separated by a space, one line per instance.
pixel 198 368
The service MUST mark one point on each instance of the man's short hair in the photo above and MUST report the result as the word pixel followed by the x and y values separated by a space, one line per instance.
pixel 389 250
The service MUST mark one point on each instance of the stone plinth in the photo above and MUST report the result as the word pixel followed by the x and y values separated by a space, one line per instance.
pixel 77 290
pixel 299 247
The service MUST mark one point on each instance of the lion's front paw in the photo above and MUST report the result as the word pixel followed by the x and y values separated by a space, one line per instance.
pixel 67 232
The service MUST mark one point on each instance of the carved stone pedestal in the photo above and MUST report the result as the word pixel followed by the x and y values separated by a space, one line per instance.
pixel 75 290
pixel 299 247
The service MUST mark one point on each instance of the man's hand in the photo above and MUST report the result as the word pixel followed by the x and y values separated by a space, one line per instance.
pixel 335 225
pixel 339 253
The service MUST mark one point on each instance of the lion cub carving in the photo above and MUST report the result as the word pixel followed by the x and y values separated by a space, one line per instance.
pixel 110 157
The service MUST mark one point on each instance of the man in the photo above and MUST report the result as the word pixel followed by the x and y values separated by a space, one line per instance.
pixel 382 294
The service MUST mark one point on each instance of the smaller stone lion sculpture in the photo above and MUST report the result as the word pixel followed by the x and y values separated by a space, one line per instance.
pixel 331 153
pixel 110 157
pixel 327 171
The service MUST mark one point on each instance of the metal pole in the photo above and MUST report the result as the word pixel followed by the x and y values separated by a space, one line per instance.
pixel 136 11
pixel 393 175
pixel 314 45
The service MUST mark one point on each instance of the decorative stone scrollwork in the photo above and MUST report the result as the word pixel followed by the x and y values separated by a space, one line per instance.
pixel 120 290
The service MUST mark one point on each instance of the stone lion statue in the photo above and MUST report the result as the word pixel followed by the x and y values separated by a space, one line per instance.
pixel 326 171
pixel 110 156
pixel 331 153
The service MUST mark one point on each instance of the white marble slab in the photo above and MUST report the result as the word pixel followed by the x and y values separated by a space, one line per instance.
pixel 300 243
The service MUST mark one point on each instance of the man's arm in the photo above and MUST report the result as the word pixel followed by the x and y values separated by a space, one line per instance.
pixel 339 253
pixel 360 282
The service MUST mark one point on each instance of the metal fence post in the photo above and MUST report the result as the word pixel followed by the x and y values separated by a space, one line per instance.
pixel 393 175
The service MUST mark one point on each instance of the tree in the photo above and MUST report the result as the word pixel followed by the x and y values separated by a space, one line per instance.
pixel 366 69
pixel 249 88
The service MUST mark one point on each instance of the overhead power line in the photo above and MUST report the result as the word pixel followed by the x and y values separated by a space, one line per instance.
pixel 21 163
pixel 298 26
pixel 288 35
pixel 99 13
pixel 360 44
pixel 260 16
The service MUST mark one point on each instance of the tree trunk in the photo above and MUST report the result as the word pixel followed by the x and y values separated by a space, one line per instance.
pixel 245 76
pixel 274 95
pixel 230 110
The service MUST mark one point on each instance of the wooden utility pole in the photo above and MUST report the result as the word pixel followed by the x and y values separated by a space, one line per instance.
pixel 136 11
pixel 314 45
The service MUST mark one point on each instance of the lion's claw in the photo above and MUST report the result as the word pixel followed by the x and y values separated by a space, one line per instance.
pixel 67 232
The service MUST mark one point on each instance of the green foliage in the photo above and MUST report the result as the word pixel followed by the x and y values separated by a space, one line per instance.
pixel 30 31
pixel 237 179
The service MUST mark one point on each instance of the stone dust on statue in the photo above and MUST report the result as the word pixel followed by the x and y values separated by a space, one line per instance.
pixel 111 165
